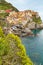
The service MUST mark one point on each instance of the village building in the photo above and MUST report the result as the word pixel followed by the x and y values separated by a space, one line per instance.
pixel 21 17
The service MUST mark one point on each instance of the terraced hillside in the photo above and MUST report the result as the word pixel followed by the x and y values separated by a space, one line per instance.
pixel 5 5
pixel 5 9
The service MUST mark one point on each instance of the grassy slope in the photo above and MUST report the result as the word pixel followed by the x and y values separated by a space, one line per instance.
pixel 4 5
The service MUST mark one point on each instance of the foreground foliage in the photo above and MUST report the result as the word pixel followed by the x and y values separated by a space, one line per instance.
pixel 12 52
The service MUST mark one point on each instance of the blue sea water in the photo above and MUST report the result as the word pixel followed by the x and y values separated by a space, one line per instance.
pixel 34 47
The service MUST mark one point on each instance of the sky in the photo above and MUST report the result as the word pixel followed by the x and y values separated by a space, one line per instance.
pixel 36 5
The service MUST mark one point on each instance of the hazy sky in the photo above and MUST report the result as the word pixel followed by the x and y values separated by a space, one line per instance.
pixel 36 5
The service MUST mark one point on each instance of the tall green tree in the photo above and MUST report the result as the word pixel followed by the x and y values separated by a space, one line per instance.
pixel 37 19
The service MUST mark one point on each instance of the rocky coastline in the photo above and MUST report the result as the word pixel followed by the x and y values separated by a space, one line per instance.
pixel 21 31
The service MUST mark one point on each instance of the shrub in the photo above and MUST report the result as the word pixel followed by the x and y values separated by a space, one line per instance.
pixel 1 32
pixel 12 52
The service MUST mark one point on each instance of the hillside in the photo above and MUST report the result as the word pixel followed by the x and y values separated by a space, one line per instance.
pixel 12 52
pixel 5 9
pixel 5 6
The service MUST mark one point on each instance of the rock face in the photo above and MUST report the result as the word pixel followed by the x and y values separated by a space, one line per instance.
pixel 31 25
pixel 41 25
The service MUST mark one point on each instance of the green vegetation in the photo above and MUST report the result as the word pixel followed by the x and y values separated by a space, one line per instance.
pixel 4 6
pixel 2 0
pixel 3 24
pixel 1 32
pixel 12 52
pixel 37 19
pixel 3 15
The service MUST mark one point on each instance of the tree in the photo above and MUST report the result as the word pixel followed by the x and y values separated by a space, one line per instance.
pixel 37 20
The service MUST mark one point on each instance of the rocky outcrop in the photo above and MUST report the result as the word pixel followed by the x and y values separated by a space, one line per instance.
pixel 31 25
pixel 41 26
pixel 34 25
